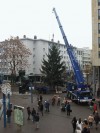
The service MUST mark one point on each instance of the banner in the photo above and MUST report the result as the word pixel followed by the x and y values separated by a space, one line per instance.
pixel 18 115
pixel 1 106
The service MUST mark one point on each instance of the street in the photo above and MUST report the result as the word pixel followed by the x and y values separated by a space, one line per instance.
pixel 55 121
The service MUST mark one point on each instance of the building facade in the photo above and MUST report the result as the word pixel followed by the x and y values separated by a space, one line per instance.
pixel 96 43
pixel 40 48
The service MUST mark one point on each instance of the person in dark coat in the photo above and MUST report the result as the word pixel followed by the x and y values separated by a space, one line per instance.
pixel 33 114
pixel 41 98
pixel 74 122
pixel 28 112
pixel 41 108
pixel 47 104
pixel 8 113
pixel 96 119
pixel 68 108
pixel 37 118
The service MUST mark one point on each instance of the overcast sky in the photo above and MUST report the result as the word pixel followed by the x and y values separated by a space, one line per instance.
pixel 35 17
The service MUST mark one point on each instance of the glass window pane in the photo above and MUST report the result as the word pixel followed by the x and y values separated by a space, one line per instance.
pixel 99 54
pixel 99 42
pixel 98 12
pixel 99 28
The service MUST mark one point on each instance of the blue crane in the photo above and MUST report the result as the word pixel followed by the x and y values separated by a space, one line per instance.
pixel 77 71
pixel 80 93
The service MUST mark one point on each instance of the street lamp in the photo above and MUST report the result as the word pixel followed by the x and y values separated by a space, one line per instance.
pixel 31 88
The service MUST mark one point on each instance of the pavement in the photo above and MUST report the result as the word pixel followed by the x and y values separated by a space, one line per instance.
pixel 55 121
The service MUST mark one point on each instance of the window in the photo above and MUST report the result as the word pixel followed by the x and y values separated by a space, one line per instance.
pixel 43 49
pixel 99 54
pixel 33 55
pixel 98 13
pixel 33 69
pixel 43 56
pixel 98 27
pixel 98 2
pixel 99 42
pixel 64 52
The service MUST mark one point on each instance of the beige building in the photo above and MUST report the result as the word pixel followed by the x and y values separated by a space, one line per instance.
pixel 96 43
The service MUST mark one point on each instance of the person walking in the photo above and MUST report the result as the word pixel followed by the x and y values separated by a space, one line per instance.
pixel 53 100
pixel 68 108
pixel 47 105
pixel 28 112
pixel 33 114
pixel 74 121
pixel 58 101
pixel 90 120
pixel 39 103
pixel 41 108
pixel 37 118
pixel 8 113
pixel 41 98
pixel 79 124
pixel 94 108
pixel 86 128
pixel 96 119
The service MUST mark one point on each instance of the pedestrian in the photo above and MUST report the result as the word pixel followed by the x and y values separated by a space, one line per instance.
pixel 99 103
pixel 37 118
pixel 79 124
pixel 28 112
pixel 91 105
pixel 86 128
pixel 68 108
pixel 39 102
pixel 47 104
pixel 33 114
pixel 94 108
pixel 96 119
pixel 41 98
pixel 58 101
pixel 90 120
pixel 74 121
pixel 41 108
pixel 8 113
pixel 53 100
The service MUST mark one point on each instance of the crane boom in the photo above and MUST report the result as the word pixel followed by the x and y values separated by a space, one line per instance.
pixel 77 71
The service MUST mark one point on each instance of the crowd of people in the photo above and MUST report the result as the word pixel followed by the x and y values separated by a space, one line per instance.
pixel 40 110
pixel 79 125
pixel 44 106
pixel 84 126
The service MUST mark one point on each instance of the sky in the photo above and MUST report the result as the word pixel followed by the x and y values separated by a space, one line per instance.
pixel 35 17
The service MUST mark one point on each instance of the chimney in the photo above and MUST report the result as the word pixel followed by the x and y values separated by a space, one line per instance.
pixel 17 37
pixel 35 37
pixel 24 36
pixel 58 41
pixel 52 40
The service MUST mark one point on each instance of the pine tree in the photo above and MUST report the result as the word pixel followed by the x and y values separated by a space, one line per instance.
pixel 53 68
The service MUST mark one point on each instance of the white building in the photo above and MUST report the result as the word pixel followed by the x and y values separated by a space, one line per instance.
pixel 39 48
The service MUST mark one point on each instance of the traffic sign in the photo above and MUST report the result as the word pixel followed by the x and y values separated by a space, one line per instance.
pixel 6 88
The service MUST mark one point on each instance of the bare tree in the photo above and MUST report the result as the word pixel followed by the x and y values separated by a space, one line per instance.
pixel 14 54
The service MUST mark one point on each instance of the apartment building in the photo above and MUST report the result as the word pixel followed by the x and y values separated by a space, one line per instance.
pixel 96 43
pixel 39 48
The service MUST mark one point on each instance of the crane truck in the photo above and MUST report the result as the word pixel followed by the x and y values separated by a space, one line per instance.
pixel 78 91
